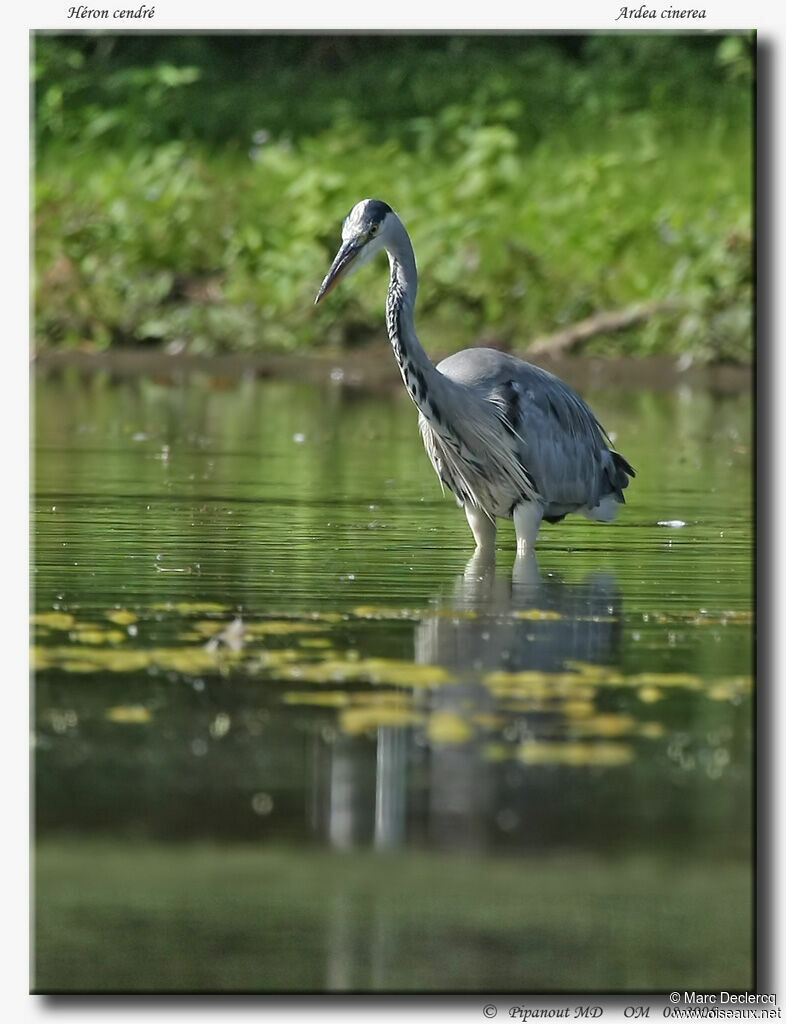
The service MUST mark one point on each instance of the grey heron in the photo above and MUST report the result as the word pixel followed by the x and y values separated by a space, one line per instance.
pixel 509 439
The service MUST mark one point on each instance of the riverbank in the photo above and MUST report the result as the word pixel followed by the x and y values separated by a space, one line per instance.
pixel 194 204
pixel 374 370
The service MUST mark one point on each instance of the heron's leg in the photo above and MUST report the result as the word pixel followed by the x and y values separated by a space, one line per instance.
pixel 481 566
pixel 527 516
pixel 525 569
pixel 484 530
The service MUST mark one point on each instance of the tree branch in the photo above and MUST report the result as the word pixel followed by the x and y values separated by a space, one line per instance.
pixel 606 322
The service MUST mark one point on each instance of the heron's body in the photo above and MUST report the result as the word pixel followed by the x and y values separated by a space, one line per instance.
pixel 507 438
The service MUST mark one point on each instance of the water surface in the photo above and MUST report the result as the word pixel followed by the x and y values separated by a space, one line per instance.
pixel 289 735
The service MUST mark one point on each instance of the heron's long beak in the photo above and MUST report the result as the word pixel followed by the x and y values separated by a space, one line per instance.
pixel 345 257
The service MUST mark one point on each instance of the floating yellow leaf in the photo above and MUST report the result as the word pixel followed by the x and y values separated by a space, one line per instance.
pixel 722 691
pixel 192 660
pixel 270 660
pixel 359 720
pixel 539 684
pixel 537 615
pixel 577 708
pixel 281 628
pixel 650 694
pixel 576 754
pixel 604 725
pixel 54 620
pixel 121 617
pixel 208 627
pixel 530 679
pixel 686 680
pixel 188 660
pixel 732 686
pixel 375 612
pixel 132 714
pixel 125 661
pixel 412 614
pixel 381 698
pixel 446 727
pixel 370 670
pixel 99 636
pixel 40 658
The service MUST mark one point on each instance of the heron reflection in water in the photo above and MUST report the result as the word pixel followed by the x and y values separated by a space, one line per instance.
pixel 450 794
pixel 510 440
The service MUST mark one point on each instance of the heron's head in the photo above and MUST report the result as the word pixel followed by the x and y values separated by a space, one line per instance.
pixel 363 235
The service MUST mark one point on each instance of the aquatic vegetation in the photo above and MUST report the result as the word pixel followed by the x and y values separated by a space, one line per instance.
pixel 537 615
pixel 326 699
pixel 84 634
pixel 135 714
pixel 388 671
pixel 242 645
pixel 187 660
pixel 566 709
pixel 121 617
pixel 608 724
pixel 382 612
pixel 54 620
pixel 281 628
pixel 606 755
pixel 447 727
pixel 357 720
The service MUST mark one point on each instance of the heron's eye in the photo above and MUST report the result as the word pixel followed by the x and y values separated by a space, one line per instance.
pixel 373 229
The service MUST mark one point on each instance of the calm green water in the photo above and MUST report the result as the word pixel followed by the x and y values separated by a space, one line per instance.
pixel 288 736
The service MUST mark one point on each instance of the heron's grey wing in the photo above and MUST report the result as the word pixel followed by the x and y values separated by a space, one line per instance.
pixel 559 441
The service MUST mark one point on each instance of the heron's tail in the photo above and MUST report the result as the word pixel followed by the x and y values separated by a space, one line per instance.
pixel 618 472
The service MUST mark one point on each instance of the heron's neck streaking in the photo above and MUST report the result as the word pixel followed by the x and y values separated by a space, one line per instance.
pixel 418 372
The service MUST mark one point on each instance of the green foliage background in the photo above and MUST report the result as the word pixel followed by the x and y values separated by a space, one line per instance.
pixel 189 190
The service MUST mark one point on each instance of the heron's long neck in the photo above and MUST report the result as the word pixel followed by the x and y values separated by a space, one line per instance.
pixel 418 372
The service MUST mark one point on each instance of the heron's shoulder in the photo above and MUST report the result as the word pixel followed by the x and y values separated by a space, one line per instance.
pixel 488 366
pixel 523 389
